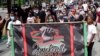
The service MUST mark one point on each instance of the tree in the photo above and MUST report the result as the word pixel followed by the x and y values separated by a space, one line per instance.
pixel 9 6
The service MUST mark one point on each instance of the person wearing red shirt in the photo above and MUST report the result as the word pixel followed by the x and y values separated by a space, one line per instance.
pixel 98 22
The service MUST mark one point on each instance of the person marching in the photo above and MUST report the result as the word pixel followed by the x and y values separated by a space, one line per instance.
pixel 92 31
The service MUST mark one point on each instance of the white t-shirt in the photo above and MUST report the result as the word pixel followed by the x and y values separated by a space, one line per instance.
pixel 85 7
pixel 11 22
pixel 17 22
pixel 82 12
pixel 43 4
pixel 91 30
pixel 9 25
pixel 30 19
pixel 98 9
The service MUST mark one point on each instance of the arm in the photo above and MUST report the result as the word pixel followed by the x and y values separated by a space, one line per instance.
pixel 39 21
pixel 93 36
pixel 97 19
pixel 94 32
pixel 8 33
pixel 1 21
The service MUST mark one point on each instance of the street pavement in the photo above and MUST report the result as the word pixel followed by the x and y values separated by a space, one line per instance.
pixel 96 48
pixel 4 51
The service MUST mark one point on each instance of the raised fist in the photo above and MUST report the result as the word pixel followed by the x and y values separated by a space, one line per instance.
pixel 47 33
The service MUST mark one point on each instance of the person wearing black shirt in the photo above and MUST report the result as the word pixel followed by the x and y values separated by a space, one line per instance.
pixel 24 16
pixel 2 23
pixel 42 16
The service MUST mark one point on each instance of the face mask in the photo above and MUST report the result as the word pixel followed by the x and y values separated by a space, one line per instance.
pixel 12 18
pixel 61 14
pixel 46 13
pixel 36 11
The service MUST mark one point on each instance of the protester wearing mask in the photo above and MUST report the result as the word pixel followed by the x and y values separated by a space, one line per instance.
pixel 73 16
pixel 16 20
pixel 49 17
pixel 9 29
pixel 98 21
pixel 36 11
pixel 30 18
pixel 60 16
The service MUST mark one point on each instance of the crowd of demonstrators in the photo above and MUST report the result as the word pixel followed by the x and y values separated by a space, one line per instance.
pixel 14 19
pixel 55 12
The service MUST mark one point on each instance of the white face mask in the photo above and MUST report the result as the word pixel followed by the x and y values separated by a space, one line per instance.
pixel 61 21
pixel 12 18
pixel 60 14
pixel 46 13
pixel 36 11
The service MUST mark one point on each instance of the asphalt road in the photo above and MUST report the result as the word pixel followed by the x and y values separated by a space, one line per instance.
pixel 4 51
pixel 96 48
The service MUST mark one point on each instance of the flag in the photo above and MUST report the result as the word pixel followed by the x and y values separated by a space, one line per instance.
pixel 58 39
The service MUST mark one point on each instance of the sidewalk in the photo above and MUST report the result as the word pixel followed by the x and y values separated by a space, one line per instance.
pixel 4 50
pixel 3 12
pixel 7 51
pixel 96 48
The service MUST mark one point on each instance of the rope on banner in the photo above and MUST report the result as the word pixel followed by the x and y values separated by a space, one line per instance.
pixel 72 39
pixel 25 42
pixel 53 23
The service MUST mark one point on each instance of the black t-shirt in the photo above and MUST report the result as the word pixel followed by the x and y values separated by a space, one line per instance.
pixel 80 18
pixel 2 25
pixel 42 16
